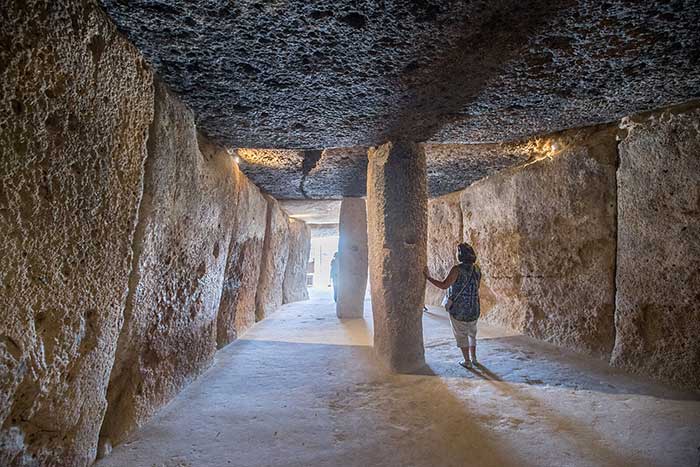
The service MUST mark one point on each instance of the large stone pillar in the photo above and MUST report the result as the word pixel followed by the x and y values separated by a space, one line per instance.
pixel 352 258
pixel 397 203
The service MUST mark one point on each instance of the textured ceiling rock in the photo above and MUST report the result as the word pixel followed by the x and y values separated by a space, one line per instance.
pixel 279 172
pixel 452 167
pixel 342 172
pixel 322 74
pixel 338 172
pixel 299 174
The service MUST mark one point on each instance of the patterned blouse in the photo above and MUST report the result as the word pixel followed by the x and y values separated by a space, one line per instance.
pixel 465 305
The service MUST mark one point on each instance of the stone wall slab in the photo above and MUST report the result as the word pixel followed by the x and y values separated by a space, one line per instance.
pixel 444 234
pixel 237 306
pixel 657 315
pixel 181 245
pixel 294 284
pixel 76 100
pixel 274 260
pixel 545 237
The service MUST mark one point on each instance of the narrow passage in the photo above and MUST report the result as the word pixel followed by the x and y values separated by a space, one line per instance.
pixel 301 388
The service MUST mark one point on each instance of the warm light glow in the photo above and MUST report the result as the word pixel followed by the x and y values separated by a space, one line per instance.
pixel 273 158
pixel 236 159
pixel 543 148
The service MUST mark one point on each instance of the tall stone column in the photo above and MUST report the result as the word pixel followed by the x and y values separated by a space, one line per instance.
pixel 352 258
pixel 397 204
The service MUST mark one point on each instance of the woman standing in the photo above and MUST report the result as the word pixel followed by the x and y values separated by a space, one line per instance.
pixel 462 301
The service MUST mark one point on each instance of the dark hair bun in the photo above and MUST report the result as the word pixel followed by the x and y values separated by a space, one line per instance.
pixel 465 253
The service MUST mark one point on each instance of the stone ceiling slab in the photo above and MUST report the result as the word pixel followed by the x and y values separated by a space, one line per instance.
pixel 313 211
pixel 342 172
pixel 321 74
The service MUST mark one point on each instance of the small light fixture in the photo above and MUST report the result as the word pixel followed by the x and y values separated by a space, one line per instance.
pixel 554 146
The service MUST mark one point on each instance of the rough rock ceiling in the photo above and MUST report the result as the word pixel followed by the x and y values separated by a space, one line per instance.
pixel 335 173
pixel 313 75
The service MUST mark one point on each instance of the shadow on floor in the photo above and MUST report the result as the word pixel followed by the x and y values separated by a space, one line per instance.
pixel 302 404
pixel 523 360
pixel 588 442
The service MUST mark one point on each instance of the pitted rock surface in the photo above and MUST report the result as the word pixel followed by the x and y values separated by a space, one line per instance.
pixel 545 239
pixel 76 101
pixel 237 305
pixel 657 319
pixel 342 172
pixel 340 74
pixel 444 234
pixel 452 167
pixel 278 172
pixel 397 206
pixel 181 242
pixel 275 254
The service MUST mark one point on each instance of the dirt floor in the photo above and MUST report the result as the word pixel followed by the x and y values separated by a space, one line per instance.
pixel 301 389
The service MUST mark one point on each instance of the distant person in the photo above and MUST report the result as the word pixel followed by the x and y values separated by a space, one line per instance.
pixel 334 276
pixel 462 301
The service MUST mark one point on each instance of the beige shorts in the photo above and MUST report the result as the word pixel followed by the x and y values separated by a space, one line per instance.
pixel 464 331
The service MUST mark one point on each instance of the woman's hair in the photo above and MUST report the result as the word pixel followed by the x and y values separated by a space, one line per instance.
pixel 465 253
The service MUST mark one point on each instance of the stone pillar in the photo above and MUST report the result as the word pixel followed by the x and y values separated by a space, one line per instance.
pixel 397 204
pixel 352 258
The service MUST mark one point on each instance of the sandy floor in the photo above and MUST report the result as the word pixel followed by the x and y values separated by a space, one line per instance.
pixel 301 389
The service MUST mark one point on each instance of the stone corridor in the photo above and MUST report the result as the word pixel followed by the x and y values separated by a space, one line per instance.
pixel 301 389
pixel 176 177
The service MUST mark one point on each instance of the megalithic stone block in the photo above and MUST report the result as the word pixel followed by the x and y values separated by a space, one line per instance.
pixel 352 258
pixel 397 203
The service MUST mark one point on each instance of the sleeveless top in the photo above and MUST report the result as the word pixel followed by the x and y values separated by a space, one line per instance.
pixel 465 305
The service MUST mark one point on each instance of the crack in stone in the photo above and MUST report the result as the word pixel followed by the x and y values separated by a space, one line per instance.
pixel 311 158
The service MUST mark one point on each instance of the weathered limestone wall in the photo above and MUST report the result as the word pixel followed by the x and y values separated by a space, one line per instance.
pixel 657 315
pixel 545 237
pixel 274 260
pixel 89 252
pixel 237 306
pixel 76 101
pixel 444 234
pixel 75 105
pixel 397 203
pixel 294 285
pixel 185 223
pixel 352 259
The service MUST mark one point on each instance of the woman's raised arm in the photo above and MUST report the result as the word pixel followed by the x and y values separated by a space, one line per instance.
pixel 449 280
